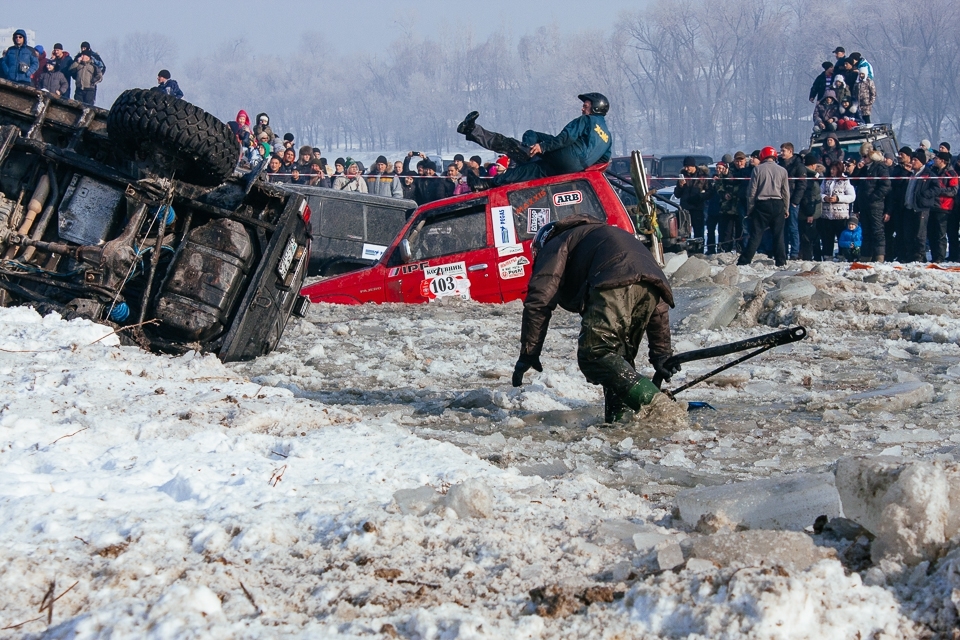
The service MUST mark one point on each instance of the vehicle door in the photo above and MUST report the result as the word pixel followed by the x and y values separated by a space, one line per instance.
pixel 532 208
pixel 451 254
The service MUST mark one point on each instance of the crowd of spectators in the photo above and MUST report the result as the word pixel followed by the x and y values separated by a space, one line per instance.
pixel 423 182
pixel 820 205
pixel 844 93
pixel 56 72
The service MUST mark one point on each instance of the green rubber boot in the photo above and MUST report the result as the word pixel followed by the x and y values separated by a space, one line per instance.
pixel 641 394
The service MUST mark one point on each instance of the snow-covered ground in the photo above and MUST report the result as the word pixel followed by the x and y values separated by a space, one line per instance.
pixel 378 475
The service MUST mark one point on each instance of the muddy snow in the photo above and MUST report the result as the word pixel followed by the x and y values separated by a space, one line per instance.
pixel 377 475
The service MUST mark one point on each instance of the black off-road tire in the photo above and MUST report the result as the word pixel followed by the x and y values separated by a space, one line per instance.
pixel 177 138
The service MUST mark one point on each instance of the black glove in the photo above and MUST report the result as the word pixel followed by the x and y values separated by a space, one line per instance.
pixel 524 364
pixel 659 362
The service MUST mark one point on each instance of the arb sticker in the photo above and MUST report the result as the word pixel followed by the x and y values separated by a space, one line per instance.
pixel 567 197
pixel 445 280
pixel 513 268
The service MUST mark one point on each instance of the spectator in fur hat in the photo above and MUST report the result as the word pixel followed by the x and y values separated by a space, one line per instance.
pixel 306 156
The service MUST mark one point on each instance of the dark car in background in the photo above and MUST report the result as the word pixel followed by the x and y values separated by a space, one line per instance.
pixel 350 230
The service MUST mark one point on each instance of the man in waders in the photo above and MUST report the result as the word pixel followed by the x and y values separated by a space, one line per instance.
pixel 612 280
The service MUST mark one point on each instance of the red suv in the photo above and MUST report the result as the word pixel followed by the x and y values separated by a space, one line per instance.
pixel 476 246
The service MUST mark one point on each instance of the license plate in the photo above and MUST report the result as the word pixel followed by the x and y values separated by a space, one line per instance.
pixel 287 258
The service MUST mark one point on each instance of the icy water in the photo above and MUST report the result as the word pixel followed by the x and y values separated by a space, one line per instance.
pixel 443 371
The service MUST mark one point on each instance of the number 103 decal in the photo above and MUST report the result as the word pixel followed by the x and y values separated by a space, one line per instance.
pixel 445 280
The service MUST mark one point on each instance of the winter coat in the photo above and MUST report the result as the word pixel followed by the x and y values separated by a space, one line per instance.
pixel 350 183
pixel 428 189
pixel 55 83
pixel 811 195
pixel 243 132
pixel 589 139
pixel 743 182
pixel 95 59
pixel 19 63
pixel 41 69
pixel 826 111
pixel 727 192
pixel 584 254
pixel 898 188
pixel 863 65
pixel 867 95
pixel 88 75
pixel 63 66
pixel 261 128
pixel 386 185
pixel 695 193
pixel 940 191
pixel 846 194
pixel 850 239
pixel 831 155
pixel 797 172
pixel 170 87
pixel 820 86
pixel 409 191
pixel 872 193
pixel 840 89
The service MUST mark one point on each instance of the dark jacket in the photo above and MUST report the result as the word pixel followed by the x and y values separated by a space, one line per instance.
pixel 586 253
pixel 695 194
pixel 743 182
pixel 872 191
pixel 727 192
pixel 940 192
pixel 88 75
pixel 830 155
pixel 170 87
pixel 19 63
pixel 820 86
pixel 825 111
pixel 797 172
pixel 63 66
pixel 898 189
pixel 55 83
pixel 811 195
pixel 428 189
pixel 587 137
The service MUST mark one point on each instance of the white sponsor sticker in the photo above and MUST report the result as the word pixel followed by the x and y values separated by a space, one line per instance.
pixel 445 280
pixel 503 229
pixel 537 218
pixel 513 268
pixel 509 249
pixel 372 251
pixel 567 197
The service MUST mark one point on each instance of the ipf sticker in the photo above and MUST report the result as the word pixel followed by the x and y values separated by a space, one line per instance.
pixel 513 268
pixel 537 218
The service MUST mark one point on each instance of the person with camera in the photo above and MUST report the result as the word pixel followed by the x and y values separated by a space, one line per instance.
pixel 585 141
pixel 20 61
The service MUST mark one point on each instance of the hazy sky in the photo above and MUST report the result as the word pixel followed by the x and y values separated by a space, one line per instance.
pixel 200 25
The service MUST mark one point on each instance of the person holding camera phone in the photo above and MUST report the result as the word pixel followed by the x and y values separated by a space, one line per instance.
pixel 20 61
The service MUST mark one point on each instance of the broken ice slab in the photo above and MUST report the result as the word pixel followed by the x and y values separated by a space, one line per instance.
pixel 672 262
pixel 689 271
pixel 896 436
pixel 894 398
pixel 470 499
pixel 551 469
pixel 791 502
pixel 669 555
pixel 705 307
pixel 788 549
pixel 416 501
pixel 912 507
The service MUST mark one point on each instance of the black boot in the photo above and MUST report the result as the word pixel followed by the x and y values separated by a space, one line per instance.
pixel 475 182
pixel 466 127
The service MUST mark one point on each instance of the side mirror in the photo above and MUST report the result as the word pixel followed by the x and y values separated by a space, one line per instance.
pixel 405 253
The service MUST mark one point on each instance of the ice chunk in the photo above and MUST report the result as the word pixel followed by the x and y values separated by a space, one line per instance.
pixel 470 499
pixel 416 501
pixel 648 539
pixel 672 262
pixel 788 549
pixel 728 276
pixel 691 270
pixel 618 531
pixel 895 436
pixel 677 459
pixel 793 290
pixel 705 307
pixel 550 469
pixel 912 507
pixel 669 556
pixel 476 399
pixel 792 502
pixel 954 371
pixel 895 398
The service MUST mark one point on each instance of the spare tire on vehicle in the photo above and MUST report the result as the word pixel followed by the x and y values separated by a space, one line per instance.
pixel 175 137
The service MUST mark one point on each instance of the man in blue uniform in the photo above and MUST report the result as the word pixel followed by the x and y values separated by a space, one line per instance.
pixel 585 141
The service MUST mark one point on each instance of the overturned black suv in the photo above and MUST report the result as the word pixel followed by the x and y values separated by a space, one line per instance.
pixel 134 218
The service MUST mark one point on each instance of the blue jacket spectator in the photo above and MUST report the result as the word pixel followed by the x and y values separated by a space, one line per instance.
pixel 19 62
pixel 166 85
